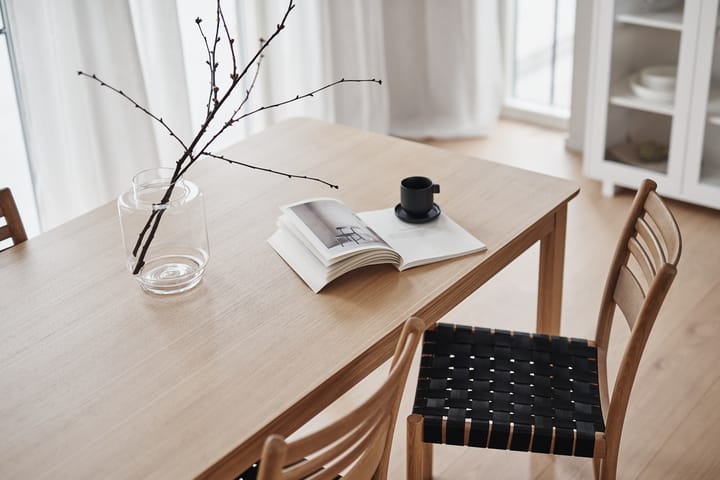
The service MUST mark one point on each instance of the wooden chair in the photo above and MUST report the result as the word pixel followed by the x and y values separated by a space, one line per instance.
pixel 357 444
pixel 548 394
pixel 14 228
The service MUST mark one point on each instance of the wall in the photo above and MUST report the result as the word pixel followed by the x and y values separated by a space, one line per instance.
pixel 581 65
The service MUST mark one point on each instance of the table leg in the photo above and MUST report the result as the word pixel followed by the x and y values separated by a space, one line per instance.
pixel 550 283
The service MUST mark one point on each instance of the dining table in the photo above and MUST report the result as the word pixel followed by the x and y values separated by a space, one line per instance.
pixel 99 379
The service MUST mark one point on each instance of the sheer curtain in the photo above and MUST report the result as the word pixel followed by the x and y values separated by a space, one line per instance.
pixel 440 63
pixel 84 142
pixel 444 67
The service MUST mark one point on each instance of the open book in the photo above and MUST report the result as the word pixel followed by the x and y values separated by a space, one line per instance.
pixel 322 239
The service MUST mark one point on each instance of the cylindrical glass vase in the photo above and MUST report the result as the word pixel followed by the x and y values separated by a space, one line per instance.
pixel 165 241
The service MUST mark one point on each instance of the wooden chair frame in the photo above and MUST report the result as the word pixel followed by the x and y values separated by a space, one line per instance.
pixel 14 228
pixel 641 273
pixel 358 445
pixel 651 238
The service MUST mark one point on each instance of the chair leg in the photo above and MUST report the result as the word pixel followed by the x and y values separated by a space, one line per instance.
pixel 597 465
pixel 608 471
pixel 427 454
pixel 419 454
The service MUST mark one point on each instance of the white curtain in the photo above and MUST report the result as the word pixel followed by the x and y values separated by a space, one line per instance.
pixel 84 142
pixel 439 62
pixel 444 67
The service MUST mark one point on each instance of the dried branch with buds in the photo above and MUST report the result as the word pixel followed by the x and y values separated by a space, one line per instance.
pixel 216 99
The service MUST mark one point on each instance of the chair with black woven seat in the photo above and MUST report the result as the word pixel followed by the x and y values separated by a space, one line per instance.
pixel 547 394
pixel 13 227
pixel 358 444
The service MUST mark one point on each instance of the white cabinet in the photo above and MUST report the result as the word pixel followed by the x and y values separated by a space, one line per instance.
pixel 630 137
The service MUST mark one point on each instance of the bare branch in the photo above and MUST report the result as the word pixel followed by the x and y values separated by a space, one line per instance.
pixel 255 167
pixel 242 104
pixel 250 88
pixel 231 44
pixel 209 62
pixel 233 120
pixel 137 105
pixel 213 77
pixel 306 95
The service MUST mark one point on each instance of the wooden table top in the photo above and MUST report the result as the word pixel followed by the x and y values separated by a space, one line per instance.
pixel 101 380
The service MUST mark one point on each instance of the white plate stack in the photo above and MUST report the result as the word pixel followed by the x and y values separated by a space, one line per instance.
pixel 655 83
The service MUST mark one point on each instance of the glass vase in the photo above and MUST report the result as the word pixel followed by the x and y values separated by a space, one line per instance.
pixel 165 235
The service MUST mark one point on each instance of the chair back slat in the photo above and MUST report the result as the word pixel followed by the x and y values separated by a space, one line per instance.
pixel 14 227
pixel 359 443
pixel 643 260
pixel 366 466
pixel 341 451
pixel 667 226
pixel 5 232
pixel 362 461
pixel 629 295
pixel 650 241
pixel 353 426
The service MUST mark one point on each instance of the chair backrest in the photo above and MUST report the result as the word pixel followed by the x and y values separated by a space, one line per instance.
pixel 14 227
pixel 357 444
pixel 640 276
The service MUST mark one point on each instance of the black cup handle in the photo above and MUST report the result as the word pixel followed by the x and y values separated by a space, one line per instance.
pixel 436 188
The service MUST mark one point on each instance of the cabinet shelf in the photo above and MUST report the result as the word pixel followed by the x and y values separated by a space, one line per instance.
pixel 622 96
pixel 666 19
pixel 627 154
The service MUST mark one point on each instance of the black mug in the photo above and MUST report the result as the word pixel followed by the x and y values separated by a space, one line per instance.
pixel 416 195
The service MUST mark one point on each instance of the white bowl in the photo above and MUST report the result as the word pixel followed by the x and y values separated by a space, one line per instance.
pixel 651 94
pixel 659 77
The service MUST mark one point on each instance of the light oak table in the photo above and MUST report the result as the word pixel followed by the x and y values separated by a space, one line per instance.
pixel 101 380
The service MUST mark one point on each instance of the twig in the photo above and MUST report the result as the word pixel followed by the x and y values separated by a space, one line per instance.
pixel 137 105
pixel 231 44
pixel 209 62
pixel 234 119
pixel 248 91
pixel 213 82
pixel 255 167
pixel 250 88
pixel 306 95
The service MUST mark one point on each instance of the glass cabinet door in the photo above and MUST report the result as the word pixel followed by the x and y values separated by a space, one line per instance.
pixel 650 75
pixel 702 174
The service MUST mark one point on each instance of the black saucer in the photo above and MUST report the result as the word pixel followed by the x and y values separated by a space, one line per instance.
pixel 431 214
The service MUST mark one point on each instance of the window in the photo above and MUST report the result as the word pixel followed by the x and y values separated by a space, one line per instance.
pixel 539 41
pixel 14 169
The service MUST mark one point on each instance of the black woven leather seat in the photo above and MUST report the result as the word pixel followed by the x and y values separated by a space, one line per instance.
pixel 250 473
pixel 509 390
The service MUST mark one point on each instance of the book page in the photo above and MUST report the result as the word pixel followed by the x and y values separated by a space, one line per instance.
pixel 419 244
pixel 300 259
pixel 332 231
pixel 312 271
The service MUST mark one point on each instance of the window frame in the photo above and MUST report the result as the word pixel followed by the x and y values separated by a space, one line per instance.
pixel 513 108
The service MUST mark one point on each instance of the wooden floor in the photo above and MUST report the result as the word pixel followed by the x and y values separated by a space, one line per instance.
pixel 672 430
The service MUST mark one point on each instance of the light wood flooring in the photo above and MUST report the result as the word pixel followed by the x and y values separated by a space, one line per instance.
pixel 672 430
